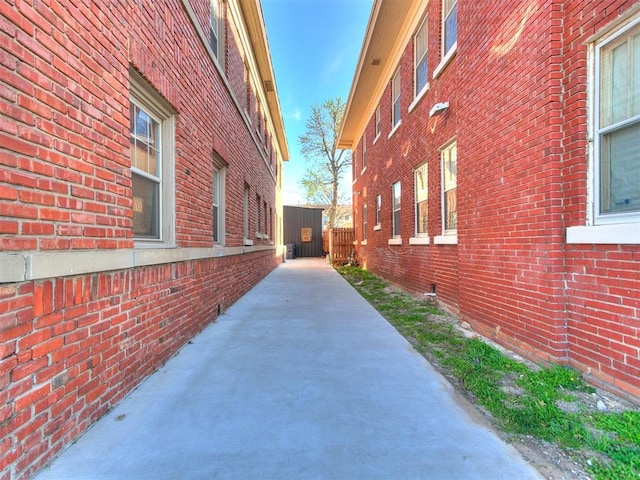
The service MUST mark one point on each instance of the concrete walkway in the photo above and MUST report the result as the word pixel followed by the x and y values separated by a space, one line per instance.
pixel 300 379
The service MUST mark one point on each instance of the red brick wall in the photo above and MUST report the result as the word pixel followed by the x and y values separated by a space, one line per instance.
pixel 71 347
pixel 603 281
pixel 416 141
pixel 518 93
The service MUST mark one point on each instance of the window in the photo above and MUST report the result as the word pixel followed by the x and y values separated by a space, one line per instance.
pixel 152 130
pixel 377 121
pixel 364 151
pixel 449 187
pixel 219 174
pixel 245 216
pixel 395 94
pixel 364 222
pixel 396 210
pixel 420 58
pixel 617 128
pixel 216 24
pixel 449 25
pixel 378 209
pixel 421 192
pixel 258 215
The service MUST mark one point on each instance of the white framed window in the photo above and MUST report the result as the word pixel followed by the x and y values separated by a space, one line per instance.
pixel 152 133
pixel 364 151
pixel 617 127
pixel 378 211
pixel 216 29
pixel 218 201
pixel 396 194
pixel 421 201
pixel 245 216
pixel 420 65
pixel 395 100
pixel 449 158
pixel 377 121
pixel 449 26
pixel 364 222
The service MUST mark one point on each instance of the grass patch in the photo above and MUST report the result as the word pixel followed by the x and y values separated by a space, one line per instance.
pixel 522 400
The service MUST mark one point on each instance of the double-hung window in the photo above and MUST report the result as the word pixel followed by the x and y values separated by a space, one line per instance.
pixel 396 210
pixel 377 121
pixel 152 133
pixel 395 100
pixel 216 28
pixel 364 222
pixel 219 174
pixel 421 193
pixel 449 26
pixel 420 59
pixel 617 127
pixel 378 211
pixel 364 151
pixel 449 158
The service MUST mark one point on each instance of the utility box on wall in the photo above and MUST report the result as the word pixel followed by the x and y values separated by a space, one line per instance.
pixel 303 228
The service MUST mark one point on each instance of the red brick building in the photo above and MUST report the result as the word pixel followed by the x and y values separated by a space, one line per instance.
pixel 496 151
pixel 141 150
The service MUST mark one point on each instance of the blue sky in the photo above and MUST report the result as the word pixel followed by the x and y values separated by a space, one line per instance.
pixel 314 49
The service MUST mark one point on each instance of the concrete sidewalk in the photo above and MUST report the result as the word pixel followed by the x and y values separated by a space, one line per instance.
pixel 300 379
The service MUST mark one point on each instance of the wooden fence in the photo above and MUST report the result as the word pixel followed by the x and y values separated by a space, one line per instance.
pixel 339 243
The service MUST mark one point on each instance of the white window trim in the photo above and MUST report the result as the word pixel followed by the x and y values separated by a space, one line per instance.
pixel 220 33
pixel 363 243
pixel 395 241
pixel 395 123
pixel 145 97
pixel 418 97
pixel 393 211
pixel 415 200
pixel 393 130
pixel 376 120
pixel 613 229
pixel 221 167
pixel 452 231
pixel 364 153
pixel 377 227
pixel 445 60
pixel 425 87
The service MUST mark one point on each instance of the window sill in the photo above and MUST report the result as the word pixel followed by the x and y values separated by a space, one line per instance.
pixel 416 100
pixel 617 234
pixel 445 61
pixel 419 240
pixel 363 170
pixel 450 239
pixel 363 243
pixel 247 242
pixel 395 241
pixel 393 130
pixel 376 139
pixel 377 227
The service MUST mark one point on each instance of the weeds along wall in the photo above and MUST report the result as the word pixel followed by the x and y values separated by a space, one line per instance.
pixel 139 198
pixel 528 263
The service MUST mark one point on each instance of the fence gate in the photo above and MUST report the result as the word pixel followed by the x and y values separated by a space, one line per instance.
pixel 339 244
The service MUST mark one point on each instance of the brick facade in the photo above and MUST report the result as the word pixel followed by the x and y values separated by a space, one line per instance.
pixel 87 309
pixel 518 89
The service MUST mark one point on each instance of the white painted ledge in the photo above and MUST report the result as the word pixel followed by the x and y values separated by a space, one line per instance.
pixel 395 241
pixel 419 241
pixel 618 234
pixel 445 240
pixel 20 267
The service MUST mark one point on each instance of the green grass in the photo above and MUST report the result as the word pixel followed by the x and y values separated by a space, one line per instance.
pixel 529 406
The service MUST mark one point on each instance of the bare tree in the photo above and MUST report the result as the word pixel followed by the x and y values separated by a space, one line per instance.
pixel 326 162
